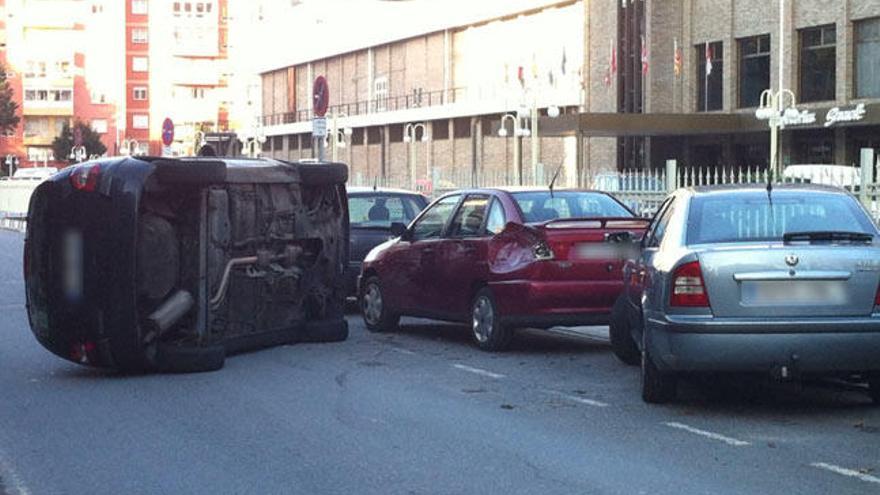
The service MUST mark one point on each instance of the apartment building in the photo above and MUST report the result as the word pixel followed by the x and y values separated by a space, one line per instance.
pixel 654 80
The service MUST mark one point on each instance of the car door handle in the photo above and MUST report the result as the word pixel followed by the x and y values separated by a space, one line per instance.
pixel 469 249
pixel 428 251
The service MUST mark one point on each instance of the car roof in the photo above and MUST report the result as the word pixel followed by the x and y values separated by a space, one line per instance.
pixel 735 188
pixel 521 189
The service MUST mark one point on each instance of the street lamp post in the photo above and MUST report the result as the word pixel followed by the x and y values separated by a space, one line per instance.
pixel 338 136
pixel 518 132
pixel 778 107
pixel 78 153
pixel 409 136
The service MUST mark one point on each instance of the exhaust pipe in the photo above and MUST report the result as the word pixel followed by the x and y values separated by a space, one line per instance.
pixel 169 313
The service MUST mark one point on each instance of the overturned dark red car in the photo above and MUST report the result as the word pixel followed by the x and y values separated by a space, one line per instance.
pixel 146 264
pixel 501 259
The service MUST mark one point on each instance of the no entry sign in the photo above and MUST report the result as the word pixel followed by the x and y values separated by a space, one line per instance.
pixel 320 96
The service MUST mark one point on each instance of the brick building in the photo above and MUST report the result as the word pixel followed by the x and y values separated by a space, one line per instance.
pixel 642 91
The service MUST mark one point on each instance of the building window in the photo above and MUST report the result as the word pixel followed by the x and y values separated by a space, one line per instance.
pixel 139 93
pixel 138 35
pixel 374 135
pixel 197 93
pixel 139 7
pixel 461 128
pixel 140 121
pixel 139 64
pixel 187 7
pixel 818 64
pixel 36 126
pixel 754 69
pixel 868 58
pixel 440 129
pixel 380 92
pixel 99 126
pixel 710 69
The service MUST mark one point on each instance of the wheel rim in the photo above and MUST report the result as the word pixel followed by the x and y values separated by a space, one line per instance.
pixel 483 319
pixel 372 305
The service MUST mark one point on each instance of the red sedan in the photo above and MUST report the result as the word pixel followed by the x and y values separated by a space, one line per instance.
pixel 501 259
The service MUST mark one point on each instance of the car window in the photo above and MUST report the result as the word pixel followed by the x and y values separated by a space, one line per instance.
pixel 496 222
pixel 431 224
pixel 541 206
pixel 658 228
pixel 468 221
pixel 752 216
pixel 381 210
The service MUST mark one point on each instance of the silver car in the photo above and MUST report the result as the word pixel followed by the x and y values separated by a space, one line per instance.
pixel 781 280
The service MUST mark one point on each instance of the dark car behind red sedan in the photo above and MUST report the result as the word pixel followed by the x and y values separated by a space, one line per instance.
pixel 501 259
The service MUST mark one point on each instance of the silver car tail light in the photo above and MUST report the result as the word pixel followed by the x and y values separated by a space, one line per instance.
pixel 688 289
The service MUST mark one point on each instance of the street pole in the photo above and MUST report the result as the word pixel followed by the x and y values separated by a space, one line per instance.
pixel 774 140
pixel 536 145
pixel 517 132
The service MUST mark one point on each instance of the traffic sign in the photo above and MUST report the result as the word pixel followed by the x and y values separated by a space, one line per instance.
pixel 319 127
pixel 167 132
pixel 320 96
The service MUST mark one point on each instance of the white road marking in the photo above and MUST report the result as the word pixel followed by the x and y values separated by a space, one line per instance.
pixel 478 371
pixel 403 351
pixel 580 400
pixel 708 434
pixel 11 481
pixel 846 472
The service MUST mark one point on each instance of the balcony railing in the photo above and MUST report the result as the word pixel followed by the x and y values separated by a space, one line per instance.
pixel 376 105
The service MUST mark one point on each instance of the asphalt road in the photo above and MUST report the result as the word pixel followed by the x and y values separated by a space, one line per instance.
pixel 420 411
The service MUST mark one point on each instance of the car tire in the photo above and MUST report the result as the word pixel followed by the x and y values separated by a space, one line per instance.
pixel 657 387
pixel 326 331
pixel 620 333
pixel 172 358
pixel 200 172
pixel 378 317
pixel 487 329
pixel 874 387
pixel 323 174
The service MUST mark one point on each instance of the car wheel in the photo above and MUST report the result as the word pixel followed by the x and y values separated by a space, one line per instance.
pixel 378 317
pixel 620 333
pixel 657 387
pixel 874 387
pixel 486 327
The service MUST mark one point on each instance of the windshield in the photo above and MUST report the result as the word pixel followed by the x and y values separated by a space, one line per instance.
pixel 745 217
pixel 381 210
pixel 541 206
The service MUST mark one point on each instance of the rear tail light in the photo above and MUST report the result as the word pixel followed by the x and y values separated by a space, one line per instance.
pixel 85 177
pixel 542 251
pixel 688 289
pixel 877 297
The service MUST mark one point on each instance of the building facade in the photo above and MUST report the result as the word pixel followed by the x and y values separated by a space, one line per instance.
pixel 637 82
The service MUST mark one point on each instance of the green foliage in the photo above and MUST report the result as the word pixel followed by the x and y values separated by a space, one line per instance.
pixel 8 107
pixel 63 144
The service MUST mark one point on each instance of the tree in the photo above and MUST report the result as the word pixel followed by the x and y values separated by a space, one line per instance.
pixel 63 144
pixel 8 107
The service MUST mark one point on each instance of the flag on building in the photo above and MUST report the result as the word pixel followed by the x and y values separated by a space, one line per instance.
pixel 676 58
pixel 520 75
pixel 612 64
pixel 506 73
pixel 534 67
pixel 644 57
pixel 564 60
pixel 708 59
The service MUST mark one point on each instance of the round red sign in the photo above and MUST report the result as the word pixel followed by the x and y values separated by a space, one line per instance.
pixel 167 132
pixel 321 96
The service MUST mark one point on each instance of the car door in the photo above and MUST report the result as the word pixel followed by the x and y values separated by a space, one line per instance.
pixel 645 271
pixel 463 256
pixel 417 289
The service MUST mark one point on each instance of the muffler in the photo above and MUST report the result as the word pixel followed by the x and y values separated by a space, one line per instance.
pixel 169 313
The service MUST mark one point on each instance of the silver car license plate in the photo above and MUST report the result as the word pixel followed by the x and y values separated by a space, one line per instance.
pixel 794 292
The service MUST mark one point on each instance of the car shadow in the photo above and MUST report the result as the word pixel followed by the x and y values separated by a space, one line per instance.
pixel 749 395
pixel 525 341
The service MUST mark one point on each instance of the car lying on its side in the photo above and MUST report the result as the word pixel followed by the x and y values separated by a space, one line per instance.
pixel 371 213
pixel 145 264
pixel 501 259
pixel 749 279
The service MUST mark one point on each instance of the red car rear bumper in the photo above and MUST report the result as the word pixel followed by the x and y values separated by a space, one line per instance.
pixel 556 303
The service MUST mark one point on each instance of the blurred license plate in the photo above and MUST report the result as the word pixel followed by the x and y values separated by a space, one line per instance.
pixel 826 292
pixel 72 264
pixel 603 251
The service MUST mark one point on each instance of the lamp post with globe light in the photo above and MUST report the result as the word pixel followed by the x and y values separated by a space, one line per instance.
pixel 409 137
pixel 518 132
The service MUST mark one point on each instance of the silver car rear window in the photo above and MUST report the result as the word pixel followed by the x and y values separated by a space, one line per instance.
pixel 756 216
